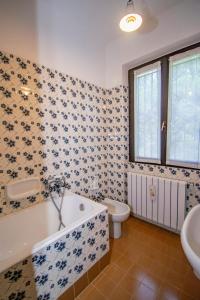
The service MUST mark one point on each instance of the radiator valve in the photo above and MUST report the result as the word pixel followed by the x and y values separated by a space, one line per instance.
pixel 152 192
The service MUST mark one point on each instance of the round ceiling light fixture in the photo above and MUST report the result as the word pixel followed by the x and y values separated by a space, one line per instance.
pixel 132 21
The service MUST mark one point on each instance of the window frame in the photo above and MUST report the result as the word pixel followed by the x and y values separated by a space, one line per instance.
pixel 164 60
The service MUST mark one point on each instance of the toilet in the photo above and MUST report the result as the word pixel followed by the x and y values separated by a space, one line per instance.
pixel 118 213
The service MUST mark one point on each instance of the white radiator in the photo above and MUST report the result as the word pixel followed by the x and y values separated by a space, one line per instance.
pixel 157 199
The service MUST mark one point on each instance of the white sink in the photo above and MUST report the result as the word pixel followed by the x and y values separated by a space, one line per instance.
pixel 190 238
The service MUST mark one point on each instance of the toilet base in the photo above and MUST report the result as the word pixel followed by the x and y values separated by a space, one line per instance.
pixel 115 230
pixel 196 274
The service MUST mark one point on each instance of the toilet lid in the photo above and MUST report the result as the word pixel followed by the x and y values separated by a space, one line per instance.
pixel 111 208
pixel 115 207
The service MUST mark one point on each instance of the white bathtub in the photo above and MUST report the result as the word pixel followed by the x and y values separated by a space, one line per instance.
pixel 26 232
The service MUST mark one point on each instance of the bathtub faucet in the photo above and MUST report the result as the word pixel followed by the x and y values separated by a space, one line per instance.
pixel 99 197
pixel 56 184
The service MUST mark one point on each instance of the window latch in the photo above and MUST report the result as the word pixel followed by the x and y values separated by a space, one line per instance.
pixel 164 126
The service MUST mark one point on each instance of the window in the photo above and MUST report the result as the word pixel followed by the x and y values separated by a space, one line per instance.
pixel 165 110
pixel 147 100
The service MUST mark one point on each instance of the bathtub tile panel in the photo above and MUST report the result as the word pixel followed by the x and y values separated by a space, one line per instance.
pixel 53 269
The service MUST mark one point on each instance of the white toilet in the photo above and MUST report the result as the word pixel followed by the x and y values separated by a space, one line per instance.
pixel 118 213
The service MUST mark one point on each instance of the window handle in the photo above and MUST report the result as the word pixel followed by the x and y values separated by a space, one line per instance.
pixel 164 126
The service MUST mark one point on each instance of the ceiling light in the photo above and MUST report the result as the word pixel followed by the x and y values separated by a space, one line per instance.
pixel 131 21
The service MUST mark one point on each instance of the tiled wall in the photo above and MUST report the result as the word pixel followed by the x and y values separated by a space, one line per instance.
pixel 117 135
pixel 52 270
pixel 67 126
pixel 57 129
pixel 118 149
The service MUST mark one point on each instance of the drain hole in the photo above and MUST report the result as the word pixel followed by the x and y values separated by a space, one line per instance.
pixel 82 207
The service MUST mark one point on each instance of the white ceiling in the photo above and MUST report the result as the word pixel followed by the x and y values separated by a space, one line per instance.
pixel 96 20
pixel 72 35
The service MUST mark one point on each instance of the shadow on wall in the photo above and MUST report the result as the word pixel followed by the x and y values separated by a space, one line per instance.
pixel 150 22
pixel 19 27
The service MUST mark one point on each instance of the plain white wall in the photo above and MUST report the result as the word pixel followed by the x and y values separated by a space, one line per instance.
pixel 55 33
pixel 82 37
pixel 177 27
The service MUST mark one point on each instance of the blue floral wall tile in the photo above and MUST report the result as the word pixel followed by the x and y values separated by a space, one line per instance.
pixel 58 127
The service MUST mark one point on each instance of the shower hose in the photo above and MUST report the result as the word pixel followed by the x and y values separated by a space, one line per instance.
pixel 57 185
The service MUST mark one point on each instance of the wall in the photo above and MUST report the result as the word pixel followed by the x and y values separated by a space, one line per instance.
pixel 58 129
pixel 71 37
pixel 56 34
pixel 118 154
pixel 67 127
pixel 173 29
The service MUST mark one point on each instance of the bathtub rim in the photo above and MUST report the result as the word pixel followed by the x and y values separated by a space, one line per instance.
pixel 18 257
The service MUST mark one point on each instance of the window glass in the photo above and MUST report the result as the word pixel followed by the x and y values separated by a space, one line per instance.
pixel 183 135
pixel 147 113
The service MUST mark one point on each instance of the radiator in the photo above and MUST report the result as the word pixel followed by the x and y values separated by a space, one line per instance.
pixel 158 200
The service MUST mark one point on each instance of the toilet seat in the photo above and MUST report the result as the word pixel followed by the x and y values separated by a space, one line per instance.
pixel 118 212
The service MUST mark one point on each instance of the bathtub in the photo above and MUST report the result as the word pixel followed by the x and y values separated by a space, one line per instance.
pixel 39 262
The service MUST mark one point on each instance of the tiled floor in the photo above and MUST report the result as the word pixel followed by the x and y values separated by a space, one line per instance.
pixel 147 263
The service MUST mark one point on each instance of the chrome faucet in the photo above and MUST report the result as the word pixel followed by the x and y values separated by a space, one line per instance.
pixel 56 184
pixel 99 197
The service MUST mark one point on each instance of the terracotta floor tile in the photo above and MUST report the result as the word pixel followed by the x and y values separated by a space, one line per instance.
pixel 92 294
pixel 159 269
pixel 124 263
pixel 191 286
pixel 119 294
pixel 147 263
pixel 184 296
pixel 100 276
pixel 179 266
pixel 114 273
pixel 157 255
pixel 137 272
pixel 133 258
pixel 86 292
pixel 105 285
pixel 175 278
pixel 168 292
pixel 152 281
pixel 120 245
pixel 129 284
pixel 114 255
pixel 144 293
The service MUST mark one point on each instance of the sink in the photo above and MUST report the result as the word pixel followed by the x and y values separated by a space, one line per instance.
pixel 190 239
